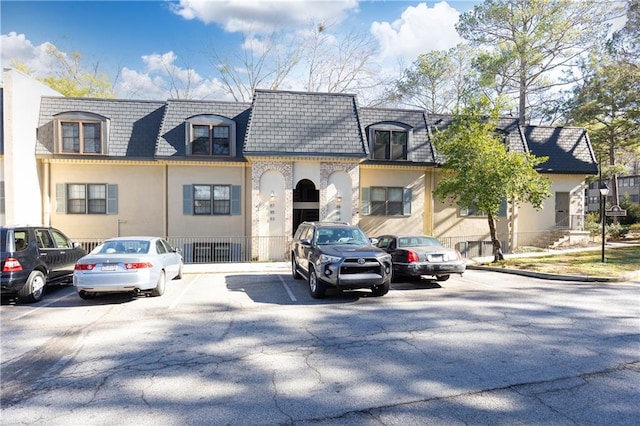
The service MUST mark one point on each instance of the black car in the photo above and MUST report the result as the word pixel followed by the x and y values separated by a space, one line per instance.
pixel 35 256
pixel 338 255
pixel 417 255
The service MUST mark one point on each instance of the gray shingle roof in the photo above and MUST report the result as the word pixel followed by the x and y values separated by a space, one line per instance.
pixel 568 149
pixel 304 124
pixel 301 124
pixel 420 149
pixel 171 138
pixel 514 137
pixel 133 124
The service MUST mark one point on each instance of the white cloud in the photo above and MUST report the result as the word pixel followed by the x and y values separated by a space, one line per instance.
pixel 263 16
pixel 420 29
pixel 16 47
pixel 163 79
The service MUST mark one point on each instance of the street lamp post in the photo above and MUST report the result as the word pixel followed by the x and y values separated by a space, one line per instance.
pixel 604 191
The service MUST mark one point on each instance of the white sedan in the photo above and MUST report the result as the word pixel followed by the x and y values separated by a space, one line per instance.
pixel 128 264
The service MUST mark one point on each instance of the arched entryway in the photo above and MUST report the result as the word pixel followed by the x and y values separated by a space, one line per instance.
pixel 306 203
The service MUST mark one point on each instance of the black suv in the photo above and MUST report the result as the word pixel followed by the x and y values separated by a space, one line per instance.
pixel 35 256
pixel 338 255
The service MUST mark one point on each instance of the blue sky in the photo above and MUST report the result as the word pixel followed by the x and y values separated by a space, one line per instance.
pixel 140 37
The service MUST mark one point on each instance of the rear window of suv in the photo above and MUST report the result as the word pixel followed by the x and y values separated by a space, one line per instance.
pixel 20 239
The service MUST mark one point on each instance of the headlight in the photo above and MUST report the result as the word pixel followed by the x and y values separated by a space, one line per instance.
pixel 385 257
pixel 325 258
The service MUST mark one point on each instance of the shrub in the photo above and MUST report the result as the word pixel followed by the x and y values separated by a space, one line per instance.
pixel 592 224
pixel 617 231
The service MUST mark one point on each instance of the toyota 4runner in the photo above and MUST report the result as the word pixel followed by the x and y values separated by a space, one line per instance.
pixel 331 254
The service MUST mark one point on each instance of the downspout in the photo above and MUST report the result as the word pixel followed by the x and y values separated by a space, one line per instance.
pixel 165 196
pixel 46 194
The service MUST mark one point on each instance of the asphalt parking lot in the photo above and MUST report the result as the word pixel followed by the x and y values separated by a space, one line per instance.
pixel 252 347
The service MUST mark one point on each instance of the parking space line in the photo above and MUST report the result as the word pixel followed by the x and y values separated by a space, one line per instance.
pixel 286 287
pixel 186 288
pixel 44 305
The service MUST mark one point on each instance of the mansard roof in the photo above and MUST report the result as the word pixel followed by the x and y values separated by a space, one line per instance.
pixel 304 124
pixel 421 150
pixel 568 149
pixel 171 137
pixel 133 124
pixel 298 124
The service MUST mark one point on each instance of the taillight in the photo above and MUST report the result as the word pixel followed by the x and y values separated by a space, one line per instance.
pixel 412 256
pixel 11 264
pixel 458 255
pixel 84 266
pixel 140 265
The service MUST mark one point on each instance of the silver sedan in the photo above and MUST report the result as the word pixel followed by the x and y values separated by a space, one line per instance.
pixel 128 264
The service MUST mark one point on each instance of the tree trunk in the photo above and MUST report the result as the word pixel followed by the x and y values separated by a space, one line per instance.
pixel 497 246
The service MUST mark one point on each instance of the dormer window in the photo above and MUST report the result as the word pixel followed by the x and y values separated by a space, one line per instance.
pixel 210 140
pixel 389 141
pixel 81 133
pixel 210 135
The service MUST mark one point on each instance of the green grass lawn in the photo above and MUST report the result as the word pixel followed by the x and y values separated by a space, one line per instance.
pixel 619 261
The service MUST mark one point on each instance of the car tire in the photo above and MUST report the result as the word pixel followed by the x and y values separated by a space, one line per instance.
pixel 317 288
pixel 33 289
pixel 162 283
pixel 294 269
pixel 380 290
pixel 86 295
pixel 442 277
pixel 179 276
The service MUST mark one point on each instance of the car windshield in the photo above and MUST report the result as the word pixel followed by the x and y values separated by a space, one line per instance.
pixel 123 246
pixel 418 241
pixel 341 236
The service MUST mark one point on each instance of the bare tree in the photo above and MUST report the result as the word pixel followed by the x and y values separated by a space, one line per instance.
pixel 264 63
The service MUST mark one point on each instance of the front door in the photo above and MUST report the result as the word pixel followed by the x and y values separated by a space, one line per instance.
pixel 562 210
pixel 306 203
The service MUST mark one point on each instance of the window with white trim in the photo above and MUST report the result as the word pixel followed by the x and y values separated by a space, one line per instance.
pixel 211 199
pixel 386 201
pixel 474 211
pixel 81 133
pixel 389 141
pixel 210 140
pixel 210 135
pixel 86 198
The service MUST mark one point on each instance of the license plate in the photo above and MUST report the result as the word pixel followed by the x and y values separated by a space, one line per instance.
pixel 109 268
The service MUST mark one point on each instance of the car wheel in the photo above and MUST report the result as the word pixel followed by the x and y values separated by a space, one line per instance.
pixel 179 276
pixel 294 269
pixel 33 289
pixel 86 295
pixel 162 283
pixel 380 290
pixel 442 277
pixel 316 287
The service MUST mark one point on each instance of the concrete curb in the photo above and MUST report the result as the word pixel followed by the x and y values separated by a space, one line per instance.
pixel 559 277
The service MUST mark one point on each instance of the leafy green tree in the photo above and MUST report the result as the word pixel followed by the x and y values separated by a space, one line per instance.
pixel 479 171
pixel 526 41
pixel 608 105
pixel 68 76
pixel 71 79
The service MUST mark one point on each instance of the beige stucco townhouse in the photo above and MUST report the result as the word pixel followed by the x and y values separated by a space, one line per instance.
pixel 204 172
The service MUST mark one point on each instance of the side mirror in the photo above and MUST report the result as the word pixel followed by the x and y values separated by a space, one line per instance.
pixel 374 241
pixel 305 242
